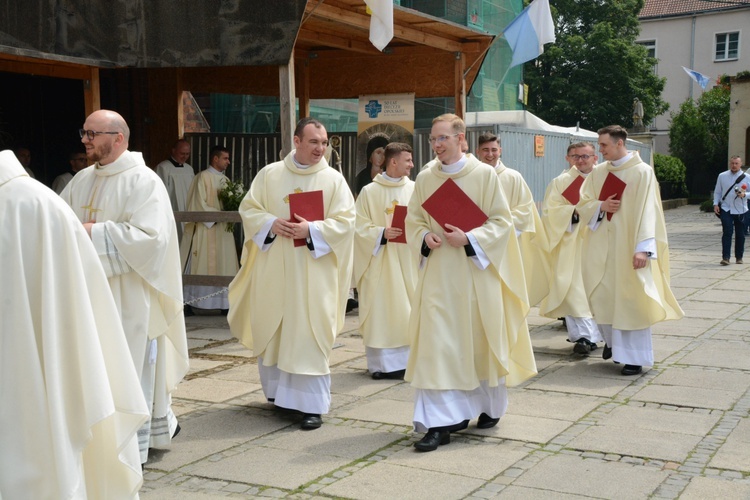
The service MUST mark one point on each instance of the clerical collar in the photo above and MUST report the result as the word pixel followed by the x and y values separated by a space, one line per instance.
pixel 389 178
pixel 617 163
pixel 174 162
pixel 454 167
pixel 299 165
pixel 213 170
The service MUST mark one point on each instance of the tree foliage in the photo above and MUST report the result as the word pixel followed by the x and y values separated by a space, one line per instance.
pixel 594 70
pixel 699 136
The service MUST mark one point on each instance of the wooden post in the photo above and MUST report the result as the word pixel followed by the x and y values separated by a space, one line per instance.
pixel 460 85
pixel 304 92
pixel 91 95
pixel 287 104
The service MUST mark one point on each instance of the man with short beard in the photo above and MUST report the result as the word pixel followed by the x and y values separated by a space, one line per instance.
pixel 125 210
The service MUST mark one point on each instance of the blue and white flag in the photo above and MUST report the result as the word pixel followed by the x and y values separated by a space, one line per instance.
pixel 527 33
pixel 699 78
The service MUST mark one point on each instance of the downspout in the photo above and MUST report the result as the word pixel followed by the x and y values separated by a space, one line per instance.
pixel 692 53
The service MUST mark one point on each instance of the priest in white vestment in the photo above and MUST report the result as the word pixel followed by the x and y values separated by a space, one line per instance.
pixel 565 232
pixel 125 210
pixel 626 276
pixel 468 323
pixel 71 403
pixel 208 247
pixel 288 302
pixel 385 269
pixel 526 220
pixel 177 176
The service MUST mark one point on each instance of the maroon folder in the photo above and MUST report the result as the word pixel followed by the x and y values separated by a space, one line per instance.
pixel 613 185
pixel 307 205
pixel 450 205
pixel 572 193
pixel 399 221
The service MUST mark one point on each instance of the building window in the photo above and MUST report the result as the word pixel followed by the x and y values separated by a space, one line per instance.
pixel 727 46
pixel 651 49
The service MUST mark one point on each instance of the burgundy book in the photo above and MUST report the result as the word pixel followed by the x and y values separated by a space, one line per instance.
pixel 399 221
pixel 450 205
pixel 613 185
pixel 572 193
pixel 309 206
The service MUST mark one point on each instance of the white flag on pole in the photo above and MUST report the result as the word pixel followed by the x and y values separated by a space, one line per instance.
pixel 381 22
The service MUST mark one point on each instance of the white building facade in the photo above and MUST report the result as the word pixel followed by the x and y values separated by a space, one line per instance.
pixel 712 38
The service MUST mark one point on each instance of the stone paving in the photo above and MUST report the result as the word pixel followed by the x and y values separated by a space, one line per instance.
pixel 579 429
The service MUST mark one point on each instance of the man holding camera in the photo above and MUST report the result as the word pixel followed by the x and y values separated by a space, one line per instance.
pixel 730 204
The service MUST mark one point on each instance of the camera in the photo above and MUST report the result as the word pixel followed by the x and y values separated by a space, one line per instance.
pixel 737 189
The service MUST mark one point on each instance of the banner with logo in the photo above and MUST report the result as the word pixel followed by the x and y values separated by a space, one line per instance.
pixel 383 118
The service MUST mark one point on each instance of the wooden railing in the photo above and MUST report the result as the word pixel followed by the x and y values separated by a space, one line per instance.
pixel 218 217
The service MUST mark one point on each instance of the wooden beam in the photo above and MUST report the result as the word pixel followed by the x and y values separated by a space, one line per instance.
pixel 91 93
pixel 338 42
pixel 460 86
pixel 362 21
pixel 287 106
pixel 304 87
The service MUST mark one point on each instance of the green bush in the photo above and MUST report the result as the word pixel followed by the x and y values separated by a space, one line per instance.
pixel 707 206
pixel 670 172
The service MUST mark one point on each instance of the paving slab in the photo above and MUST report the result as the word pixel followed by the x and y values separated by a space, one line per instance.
pixel 589 477
pixel 399 392
pixel 524 428
pixel 638 417
pixel 228 349
pixel 720 354
pixel 694 283
pixel 463 457
pixel 198 343
pixel 336 441
pixel 386 411
pixel 734 454
pixel 273 467
pixel 708 310
pixel 212 433
pixel 213 390
pixel 685 328
pixel 646 443
pixel 664 347
pixel 701 488
pixel 718 295
pixel 246 372
pixel 550 404
pixel 199 365
pixel 604 380
pixel 358 383
pixel 384 480
pixel 514 492
pixel 690 397
pixel 178 493
pixel 702 378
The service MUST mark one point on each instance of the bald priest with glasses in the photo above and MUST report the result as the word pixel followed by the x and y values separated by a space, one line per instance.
pixel 125 209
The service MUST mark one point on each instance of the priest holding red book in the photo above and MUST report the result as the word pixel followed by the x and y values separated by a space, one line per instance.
pixel 468 328
pixel 626 253
pixel 288 300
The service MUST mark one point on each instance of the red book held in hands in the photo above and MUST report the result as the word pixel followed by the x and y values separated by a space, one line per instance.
pixel 572 193
pixel 399 221
pixel 450 205
pixel 307 205
pixel 613 185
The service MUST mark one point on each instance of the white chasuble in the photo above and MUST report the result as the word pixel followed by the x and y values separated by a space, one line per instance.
pixel 567 297
pixel 284 304
pixel 619 295
pixel 135 237
pixel 70 398
pixel 468 324
pixel 532 240
pixel 385 281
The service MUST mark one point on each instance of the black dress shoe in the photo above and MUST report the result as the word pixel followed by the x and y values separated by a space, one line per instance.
pixel 188 311
pixel 584 346
pixel 351 304
pixel 397 375
pixel 486 422
pixel 310 421
pixel 606 352
pixel 224 312
pixel 432 440
pixel 176 431
pixel 631 369
pixel 378 375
